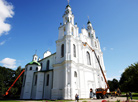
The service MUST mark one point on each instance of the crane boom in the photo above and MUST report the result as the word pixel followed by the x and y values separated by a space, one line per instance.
pixel 98 63
pixel 13 83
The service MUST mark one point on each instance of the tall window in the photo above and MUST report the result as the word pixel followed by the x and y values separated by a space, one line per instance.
pixel 74 50
pixel 72 31
pixel 47 66
pixel 64 30
pixel 89 34
pixel 66 19
pixel 47 83
pixel 62 50
pixel 88 58
pixel 95 45
pixel 36 68
pixel 30 68
pixel 75 74
pixel 70 19
pixel 35 79
pixel 102 78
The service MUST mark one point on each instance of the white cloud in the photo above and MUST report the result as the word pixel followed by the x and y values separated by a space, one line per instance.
pixel 9 62
pixel 6 11
pixel 1 43
pixel 104 48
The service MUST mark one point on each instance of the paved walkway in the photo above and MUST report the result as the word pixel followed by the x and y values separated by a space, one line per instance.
pixel 122 99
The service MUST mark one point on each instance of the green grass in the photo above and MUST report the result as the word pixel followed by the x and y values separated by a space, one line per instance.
pixel 136 98
pixel 134 93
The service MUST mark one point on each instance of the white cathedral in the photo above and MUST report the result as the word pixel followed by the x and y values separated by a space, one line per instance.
pixel 73 69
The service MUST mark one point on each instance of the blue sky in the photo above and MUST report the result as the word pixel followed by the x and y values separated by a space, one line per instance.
pixel 33 25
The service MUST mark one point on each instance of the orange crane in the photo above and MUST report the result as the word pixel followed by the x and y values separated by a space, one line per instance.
pixel 100 92
pixel 7 92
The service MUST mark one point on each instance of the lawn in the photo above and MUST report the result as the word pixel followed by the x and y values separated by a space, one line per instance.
pixel 134 95
pixel 136 98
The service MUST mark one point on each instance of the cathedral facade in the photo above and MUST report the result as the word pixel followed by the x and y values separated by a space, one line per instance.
pixel 73 69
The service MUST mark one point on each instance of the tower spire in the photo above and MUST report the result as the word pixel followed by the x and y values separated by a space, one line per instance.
pixel 88 20
pixel 68 2
pixel 35 51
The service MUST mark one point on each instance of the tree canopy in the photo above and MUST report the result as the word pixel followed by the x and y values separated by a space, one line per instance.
pixel 113 85
pixel 129 79
pixel 7 77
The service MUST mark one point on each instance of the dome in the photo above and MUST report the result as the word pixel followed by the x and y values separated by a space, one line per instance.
pixel 68 6
pixel 88 22
pixel 34 62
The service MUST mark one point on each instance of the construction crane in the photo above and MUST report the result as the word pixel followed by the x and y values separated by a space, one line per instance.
pixel 100 92
pixel 7 92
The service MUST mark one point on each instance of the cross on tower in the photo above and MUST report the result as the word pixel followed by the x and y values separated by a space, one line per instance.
pixel 88 17
pixel 35 51
pixel 68 1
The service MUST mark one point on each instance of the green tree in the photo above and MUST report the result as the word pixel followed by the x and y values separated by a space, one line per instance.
pixel 114 84
pixel 18 85
pixel 129 79
pixel 7 77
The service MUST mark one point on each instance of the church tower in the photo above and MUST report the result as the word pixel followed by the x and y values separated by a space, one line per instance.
pixel 67 31
pixel 66 53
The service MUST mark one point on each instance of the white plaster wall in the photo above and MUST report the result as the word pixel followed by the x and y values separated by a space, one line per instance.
pixel 47 89
pixel 34 87
pixel 28 82
pixel 58 82
pixel 52 60
pixel 39 86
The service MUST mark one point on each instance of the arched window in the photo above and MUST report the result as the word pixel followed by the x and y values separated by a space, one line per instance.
pixel 74 50
pixel 47 66
pixel 62 50
pixel 64 29
pixel 75 74
pixel 66 19
pixel 88 58
pixel 36 68
pixel 102 78
pixel 72 30
pixel 30 68
pixel 47 83
pixel 70 19
pixel 35 79
pixel 89 34
pixel 95 45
